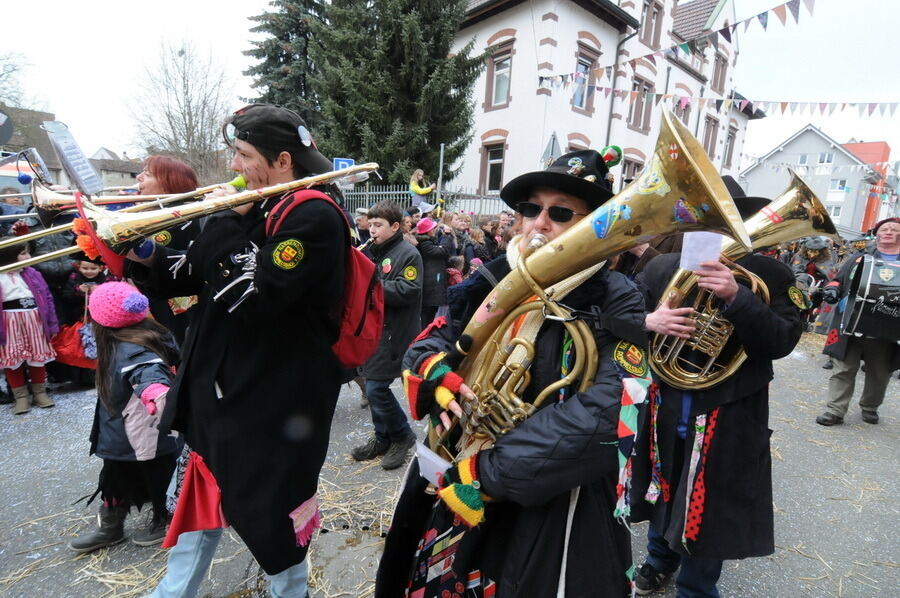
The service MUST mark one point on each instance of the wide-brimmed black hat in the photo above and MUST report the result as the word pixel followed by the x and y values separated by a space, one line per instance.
pixel 278 129
pixel 582 174
pixel 746 205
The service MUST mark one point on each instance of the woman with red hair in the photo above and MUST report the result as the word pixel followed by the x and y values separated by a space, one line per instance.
pixel 164 174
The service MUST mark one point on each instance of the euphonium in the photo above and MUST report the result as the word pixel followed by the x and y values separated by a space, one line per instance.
pixel 678 191
pixel 118 230
pixel 796 213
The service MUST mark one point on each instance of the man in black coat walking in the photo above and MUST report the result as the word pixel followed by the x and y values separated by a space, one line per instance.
pixel 400 266
pixel 258 381
pixel 702 468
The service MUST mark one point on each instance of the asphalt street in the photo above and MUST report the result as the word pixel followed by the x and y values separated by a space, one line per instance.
pixel 837 515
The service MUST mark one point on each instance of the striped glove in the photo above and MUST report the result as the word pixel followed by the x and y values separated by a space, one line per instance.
pixel 460 490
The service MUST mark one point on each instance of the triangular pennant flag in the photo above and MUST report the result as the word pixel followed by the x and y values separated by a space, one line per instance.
pixel 606 91
pixel 822 106
pixel 598 74
pixel 648 96
pixel 714 39
pixel 684 102
pixel 685 48
pixel 609 71
pixel 702 103
pixel 659 96
pixel 632 97
pixel 747 24
pixel 794 7
pixel 727 105
pixel 809 5
pixel 763 19
pixel 882 107
pixel 893 107
pixel 743 105
pixel 650 58
pixel 781 13
pixel 872 107
pixel 784 106
pixel 725 32
pixel 793 107
pixel 718 105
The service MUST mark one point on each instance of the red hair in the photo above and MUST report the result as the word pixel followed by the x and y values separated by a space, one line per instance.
pixel 174 175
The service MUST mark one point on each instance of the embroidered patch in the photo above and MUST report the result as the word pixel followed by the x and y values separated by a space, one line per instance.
pixel 162 238
pixel 410 273
pixel 386 265
pixel 632 358
pixel 288 254
pixel 886 274
pixel 797 298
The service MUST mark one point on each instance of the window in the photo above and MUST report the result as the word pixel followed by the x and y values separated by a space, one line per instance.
pixel 834 211
pixel 630 169
pixel 499 69
pixel 709 136
pixel 826 158
pixel 803 159
pixel 719 70
pixel 582 100
pixel 838 184
pixel 683 114
pixel 651 23
pixel 639 115
pixel 729 146
pixel 493 168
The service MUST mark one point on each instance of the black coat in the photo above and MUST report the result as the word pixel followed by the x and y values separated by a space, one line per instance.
pixel 434 267
pixel 737 521
pixel 837 343
pixel 257 387
pixel 400 267
pixel 531 471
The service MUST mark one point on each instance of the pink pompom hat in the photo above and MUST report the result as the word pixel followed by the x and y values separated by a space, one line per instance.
pixel 117 305
pixel 425 225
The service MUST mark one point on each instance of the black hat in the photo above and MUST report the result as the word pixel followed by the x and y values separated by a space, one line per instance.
pixel 278 129
pixel 747 206
pixel 582 174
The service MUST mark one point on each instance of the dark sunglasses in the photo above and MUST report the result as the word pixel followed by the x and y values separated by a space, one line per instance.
pixel 556 213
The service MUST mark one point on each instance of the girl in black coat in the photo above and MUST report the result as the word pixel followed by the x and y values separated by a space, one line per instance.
pixel 434 269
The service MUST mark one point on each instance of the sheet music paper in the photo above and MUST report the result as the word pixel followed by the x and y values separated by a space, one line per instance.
pixel 700 247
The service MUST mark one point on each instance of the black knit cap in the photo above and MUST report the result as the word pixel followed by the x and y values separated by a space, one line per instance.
pixel 582 174
pixel 278 129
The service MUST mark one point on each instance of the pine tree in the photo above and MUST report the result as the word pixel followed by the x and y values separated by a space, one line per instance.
pixel 283 74
pixel 390 90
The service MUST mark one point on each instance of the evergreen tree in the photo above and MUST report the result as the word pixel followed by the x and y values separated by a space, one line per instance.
pixel 390 90
pixel 283 73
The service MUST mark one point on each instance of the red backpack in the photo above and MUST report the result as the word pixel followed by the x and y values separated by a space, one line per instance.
pixel 362 316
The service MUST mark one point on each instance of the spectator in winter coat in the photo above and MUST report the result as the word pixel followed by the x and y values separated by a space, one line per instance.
pixel 434 267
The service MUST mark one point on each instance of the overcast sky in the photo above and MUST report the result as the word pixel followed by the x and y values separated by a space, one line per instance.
pixel 87 57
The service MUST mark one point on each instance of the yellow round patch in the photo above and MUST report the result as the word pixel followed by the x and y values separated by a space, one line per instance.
pixel 410 273
pixel 797 297
pixel 632 358
pixel 162 238
pixel 288 254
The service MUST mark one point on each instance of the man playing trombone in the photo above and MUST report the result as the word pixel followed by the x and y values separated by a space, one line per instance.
pixel 258 382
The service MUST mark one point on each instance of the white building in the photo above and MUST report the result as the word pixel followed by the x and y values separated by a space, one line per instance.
pixel 518 117
pixel 838 177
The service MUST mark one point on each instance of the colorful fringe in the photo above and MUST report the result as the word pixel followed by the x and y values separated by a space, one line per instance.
pixel 307 519
pixel 658 484
pixel 697 500
pixel 634 392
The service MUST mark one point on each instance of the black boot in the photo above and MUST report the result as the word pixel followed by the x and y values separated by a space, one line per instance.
pixel 111 531
pixel 154 533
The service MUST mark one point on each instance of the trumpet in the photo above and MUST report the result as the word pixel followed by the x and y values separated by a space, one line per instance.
pixel 50 204
pixel 113 233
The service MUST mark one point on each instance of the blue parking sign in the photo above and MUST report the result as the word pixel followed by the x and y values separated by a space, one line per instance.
pixel 342 163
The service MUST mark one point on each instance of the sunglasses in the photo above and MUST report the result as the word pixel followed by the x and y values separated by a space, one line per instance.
pixel 556 213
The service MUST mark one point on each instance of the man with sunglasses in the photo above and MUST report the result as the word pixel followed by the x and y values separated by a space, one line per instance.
pixel 538 513
pixel 258 383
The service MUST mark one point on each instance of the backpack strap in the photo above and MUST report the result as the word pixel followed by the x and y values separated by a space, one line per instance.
pixel 286 205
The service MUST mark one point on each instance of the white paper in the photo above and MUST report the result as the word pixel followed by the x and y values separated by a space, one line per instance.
pixel 700 247
pixel 431 465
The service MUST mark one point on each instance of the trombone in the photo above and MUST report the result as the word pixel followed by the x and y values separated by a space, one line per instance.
pixel 117 231
pixel 49 204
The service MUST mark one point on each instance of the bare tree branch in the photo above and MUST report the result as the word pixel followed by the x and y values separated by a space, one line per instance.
pixel 11 67
pixel 181 107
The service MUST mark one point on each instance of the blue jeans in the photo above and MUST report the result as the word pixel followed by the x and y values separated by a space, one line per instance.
pixel 698 575
pixel 189 561
pixel 387 415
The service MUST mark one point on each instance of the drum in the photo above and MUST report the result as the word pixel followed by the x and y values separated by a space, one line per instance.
pixel 873 304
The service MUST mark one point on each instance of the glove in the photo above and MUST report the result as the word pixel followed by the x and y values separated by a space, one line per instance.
pixel 435 382
pixel 831 295
pixel 151 394
pixel 460 490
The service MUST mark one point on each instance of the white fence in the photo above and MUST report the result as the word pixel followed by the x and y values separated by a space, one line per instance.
pixel 454 200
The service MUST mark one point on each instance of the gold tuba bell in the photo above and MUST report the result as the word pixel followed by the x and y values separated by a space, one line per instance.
pixel 796 213
pixel 678 191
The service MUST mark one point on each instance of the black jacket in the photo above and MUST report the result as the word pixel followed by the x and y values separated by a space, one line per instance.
pixel 737 519
pixel 531 471
pixel 400 268
pixel 434 266
pixel 257 387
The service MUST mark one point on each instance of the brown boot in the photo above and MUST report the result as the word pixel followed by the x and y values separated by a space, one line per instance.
pixel 23 400
pixel 40 397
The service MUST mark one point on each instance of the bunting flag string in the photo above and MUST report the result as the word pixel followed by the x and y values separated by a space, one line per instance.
pixel 577 83
pixel 820 169
pixel 689 47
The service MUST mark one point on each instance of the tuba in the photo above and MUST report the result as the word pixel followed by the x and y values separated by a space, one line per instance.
pixel 678 191
pixel 796 213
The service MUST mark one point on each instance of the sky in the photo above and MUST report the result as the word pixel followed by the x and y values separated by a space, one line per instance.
pixel 86 59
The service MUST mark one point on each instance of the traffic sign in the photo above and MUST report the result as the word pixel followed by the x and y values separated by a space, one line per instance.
pixel 342 163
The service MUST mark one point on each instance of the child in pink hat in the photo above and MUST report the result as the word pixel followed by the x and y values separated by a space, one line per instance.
pixel 135 361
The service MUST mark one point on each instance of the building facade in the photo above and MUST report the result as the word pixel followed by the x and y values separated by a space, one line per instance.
pixel 839 174
pixel 540 95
